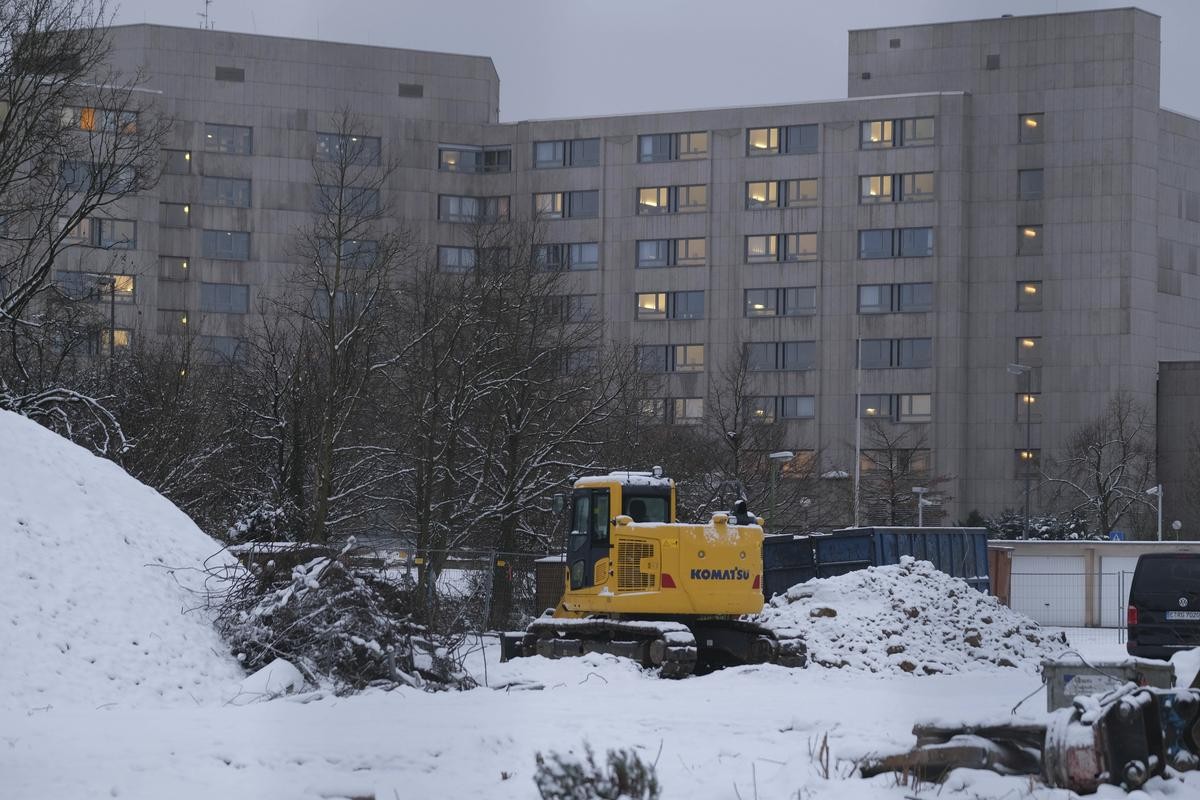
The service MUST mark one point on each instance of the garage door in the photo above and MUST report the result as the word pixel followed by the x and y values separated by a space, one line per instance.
pixel 1116 573
pixel 1049 588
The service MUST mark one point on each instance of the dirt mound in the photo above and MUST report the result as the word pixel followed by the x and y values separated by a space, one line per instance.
pixel 906 618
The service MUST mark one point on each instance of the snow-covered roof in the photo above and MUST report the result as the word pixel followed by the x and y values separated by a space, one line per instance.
pixel 624 478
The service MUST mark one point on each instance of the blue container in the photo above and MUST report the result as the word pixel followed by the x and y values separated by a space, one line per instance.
pixel 788 560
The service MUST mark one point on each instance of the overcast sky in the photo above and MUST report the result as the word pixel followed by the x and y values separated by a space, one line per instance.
pixel 567 58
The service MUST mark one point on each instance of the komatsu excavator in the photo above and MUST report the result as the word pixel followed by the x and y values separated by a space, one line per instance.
pixel 639 584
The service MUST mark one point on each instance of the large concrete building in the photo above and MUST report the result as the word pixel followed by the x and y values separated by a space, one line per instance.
pixel 994 191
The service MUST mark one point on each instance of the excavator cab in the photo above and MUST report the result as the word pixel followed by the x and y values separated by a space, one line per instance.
pixel 594 506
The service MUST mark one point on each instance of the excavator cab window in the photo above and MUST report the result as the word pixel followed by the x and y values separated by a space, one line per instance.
pixel 642 508
pixel 588 542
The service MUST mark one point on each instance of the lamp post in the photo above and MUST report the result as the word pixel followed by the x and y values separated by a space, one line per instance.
pixel 920 491
pixel 777 458
pixel 1027 399
pixel 1157 491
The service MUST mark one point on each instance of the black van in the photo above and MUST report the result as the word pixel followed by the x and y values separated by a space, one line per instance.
pixel 1164 605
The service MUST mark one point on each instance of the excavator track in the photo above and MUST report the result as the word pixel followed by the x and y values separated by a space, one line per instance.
pixel 675 648
pixel 669 646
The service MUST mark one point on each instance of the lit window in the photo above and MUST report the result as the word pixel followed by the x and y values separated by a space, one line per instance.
pixel 688 358
pixel 1029 240
pixel 762 141
pixel 652 305
pixel 1029 296
pixel 687 410
pixel 1029 351
pixel 800 192
pixel 761 302
pixel 875 189
pixel 1031 129
pixel 351 148
pixel 916 186
pixel 762 409
pixel 1029 404
pixel 654 200
pixel 875 406
pixel 762 194
pixel 876 133
pixel 915 408
pixel 1028 463
pixel 762 248
pixel 548 205
pixel 174 215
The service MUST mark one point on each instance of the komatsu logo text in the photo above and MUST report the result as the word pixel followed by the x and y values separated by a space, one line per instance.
pixel 720 575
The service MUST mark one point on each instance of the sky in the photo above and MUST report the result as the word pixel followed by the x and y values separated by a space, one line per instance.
pixel 569 58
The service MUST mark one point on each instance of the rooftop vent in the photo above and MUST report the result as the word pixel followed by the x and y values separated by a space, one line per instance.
pixel 993 61
pixel 894 44
pixel 866 76
pixel 412 90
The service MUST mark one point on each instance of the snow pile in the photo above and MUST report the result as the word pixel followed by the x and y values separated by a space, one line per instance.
pixel 906 618
pixel 90 607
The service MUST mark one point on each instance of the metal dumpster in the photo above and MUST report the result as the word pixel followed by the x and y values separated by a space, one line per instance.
pixel 788 560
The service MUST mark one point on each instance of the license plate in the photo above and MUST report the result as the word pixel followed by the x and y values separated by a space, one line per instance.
pixel 1182 615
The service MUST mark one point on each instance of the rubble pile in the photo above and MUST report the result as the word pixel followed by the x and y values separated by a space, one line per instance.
pixel 908 617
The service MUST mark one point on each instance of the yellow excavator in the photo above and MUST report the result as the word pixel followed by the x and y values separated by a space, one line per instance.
pixel 639 584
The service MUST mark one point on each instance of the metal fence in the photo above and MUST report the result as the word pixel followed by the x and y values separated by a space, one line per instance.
pixel 1076 600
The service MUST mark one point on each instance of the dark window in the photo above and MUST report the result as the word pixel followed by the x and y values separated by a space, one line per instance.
pixel 235 74
pixel 585 204
pixel 177 162
pixel 801 139
pixel 799 300
pixel 585 152
pixel 653 252
pixel 875 353
pixel 655 147
pixel 916 242
pixel 232 192
pixel 652 358
pixel 173 268
pixel 799 355
pixel 226 245
pixel 875 298
pixel 174 215
pixel 456 259
pixel 1029 184
pixel 225 298
pixel 355 149
pixel 875 243
pixel 913 353
pixel 914 297
pixel 411 90
pixel 760 355
pixel 798 406
pixel 687 305
pixel 235 139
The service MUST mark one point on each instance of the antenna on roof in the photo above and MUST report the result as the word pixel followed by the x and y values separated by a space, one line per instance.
pixel 206 23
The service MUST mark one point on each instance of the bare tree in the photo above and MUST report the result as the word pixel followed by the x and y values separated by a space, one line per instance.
pixel 744 428
pixel 76 139
pixel 894 460
pixel 1106 465
pixel 347 260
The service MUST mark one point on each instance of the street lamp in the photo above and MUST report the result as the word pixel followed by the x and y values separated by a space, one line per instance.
pixel 920 491
pixel 1027 398
pixel 777 458
pixel 1157 491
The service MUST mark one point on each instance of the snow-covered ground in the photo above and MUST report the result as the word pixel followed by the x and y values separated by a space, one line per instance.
pixel 108 690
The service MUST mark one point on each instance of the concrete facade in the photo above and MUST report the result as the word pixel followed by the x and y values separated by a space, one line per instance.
pixel 1107 191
